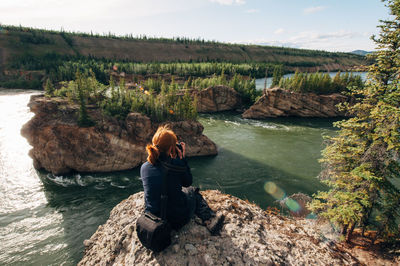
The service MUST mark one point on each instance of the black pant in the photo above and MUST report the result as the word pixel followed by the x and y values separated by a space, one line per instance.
pixel 197 204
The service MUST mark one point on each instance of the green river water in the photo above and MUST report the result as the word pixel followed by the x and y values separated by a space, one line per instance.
pixel 44 219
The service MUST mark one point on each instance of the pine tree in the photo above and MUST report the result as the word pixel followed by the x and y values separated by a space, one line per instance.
pixel 277 75
pixel 361 164
pixel 83 119
pixel 49 88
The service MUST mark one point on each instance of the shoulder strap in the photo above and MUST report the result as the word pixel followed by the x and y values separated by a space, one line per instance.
pixel 175 168
pixel 164 192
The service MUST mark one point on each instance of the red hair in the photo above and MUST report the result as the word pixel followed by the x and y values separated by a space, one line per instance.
pixel 162 141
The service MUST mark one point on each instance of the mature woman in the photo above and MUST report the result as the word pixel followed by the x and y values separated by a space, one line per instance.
pixel 183 200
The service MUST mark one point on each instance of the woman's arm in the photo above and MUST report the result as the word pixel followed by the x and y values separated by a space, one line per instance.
pixel 185 175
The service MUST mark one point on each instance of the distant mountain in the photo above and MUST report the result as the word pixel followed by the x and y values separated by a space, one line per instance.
pixel 360 52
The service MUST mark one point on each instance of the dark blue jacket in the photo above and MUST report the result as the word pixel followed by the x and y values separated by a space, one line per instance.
pixel 177 207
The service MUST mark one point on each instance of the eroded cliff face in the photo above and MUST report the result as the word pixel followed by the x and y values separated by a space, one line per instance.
pixel 250 236
pixel 279 102
pixel 216 99
pixel 60 145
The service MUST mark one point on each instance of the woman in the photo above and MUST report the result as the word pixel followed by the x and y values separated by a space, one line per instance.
pixel 183 200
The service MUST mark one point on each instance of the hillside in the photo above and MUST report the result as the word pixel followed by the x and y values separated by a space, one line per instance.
pixel 29 56
pixel 361 52
pixel 17 41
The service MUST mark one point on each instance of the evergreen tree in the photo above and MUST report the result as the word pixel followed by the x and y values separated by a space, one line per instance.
pixel 49 88
pixel 277 75
pixel 361 164
pixel 83 119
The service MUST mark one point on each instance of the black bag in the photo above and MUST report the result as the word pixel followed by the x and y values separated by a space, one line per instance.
pixel 155 232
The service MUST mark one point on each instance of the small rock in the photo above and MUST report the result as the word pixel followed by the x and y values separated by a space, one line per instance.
pixel 87 242
pixel 197 220
pixel 129 229
pixel 175 248
pixel 230 229
pixel 126 243
pixel 229 259
pixel 192 250
pixel 208 260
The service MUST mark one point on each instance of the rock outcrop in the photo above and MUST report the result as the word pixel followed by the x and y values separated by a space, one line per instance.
pixel 250 236
pixel 216 99
pixel 60 145
pixel 279 102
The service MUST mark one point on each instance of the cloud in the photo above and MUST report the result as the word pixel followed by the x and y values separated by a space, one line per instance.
pixel 229 2
pixel 279 31
pixel 313 9
pixel 267 42
pixel 99 16
pixel 252 11
pixel 311 36
pixel 334 41
pixel 330 41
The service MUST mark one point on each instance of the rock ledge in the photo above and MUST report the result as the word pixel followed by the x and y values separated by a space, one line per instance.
pixel 250 236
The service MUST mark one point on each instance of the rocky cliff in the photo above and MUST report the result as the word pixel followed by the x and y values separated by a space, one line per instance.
pixel 250 236
pixel 60 145
pixel 216 99
pixel 279 102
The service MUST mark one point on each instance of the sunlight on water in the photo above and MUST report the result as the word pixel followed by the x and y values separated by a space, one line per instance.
pixel 16 170
pixel 45 218
pixel 24 222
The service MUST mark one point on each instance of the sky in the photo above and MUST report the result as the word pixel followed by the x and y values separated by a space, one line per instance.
pixel 332 25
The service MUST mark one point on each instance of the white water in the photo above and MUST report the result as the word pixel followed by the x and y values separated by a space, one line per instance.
pixel 25 219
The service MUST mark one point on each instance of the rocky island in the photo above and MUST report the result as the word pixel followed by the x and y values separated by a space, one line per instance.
pixel 250 236
pixel 61 146
pixel 278 102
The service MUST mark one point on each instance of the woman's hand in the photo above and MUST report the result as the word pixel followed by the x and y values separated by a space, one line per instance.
pixel 183 149
pixel 181 152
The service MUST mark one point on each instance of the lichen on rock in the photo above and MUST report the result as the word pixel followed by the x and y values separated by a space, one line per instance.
pixel 250 236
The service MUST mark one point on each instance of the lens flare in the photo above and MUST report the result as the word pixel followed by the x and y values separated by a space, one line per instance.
pixel 292 205
pixel 275 191
pixel 311 216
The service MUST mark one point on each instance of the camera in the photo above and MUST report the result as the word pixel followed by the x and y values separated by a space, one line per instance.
pixel 179 146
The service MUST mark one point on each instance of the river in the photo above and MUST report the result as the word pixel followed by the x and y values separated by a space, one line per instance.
pixel 44 218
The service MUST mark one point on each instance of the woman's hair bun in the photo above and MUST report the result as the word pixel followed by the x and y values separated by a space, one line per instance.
pixel 153 153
